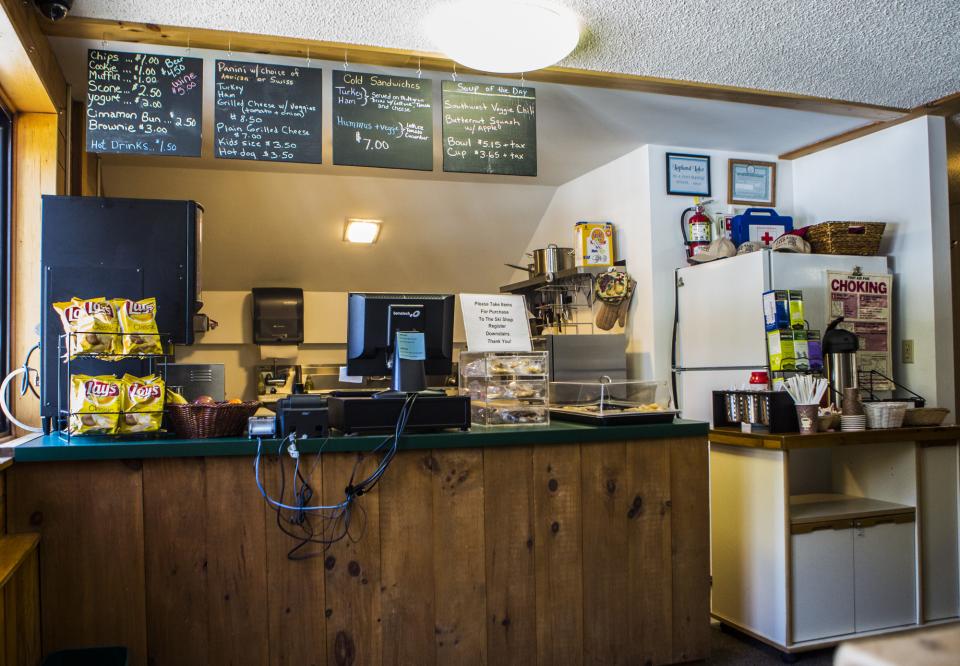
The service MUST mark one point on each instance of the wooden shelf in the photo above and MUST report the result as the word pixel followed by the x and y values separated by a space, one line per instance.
pixel 794 440
pixel 14 551
pixel 827 507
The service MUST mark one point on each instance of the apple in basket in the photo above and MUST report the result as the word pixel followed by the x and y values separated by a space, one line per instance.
pixel 204 400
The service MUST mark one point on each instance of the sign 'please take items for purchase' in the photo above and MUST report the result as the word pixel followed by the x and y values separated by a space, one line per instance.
pixel 495 322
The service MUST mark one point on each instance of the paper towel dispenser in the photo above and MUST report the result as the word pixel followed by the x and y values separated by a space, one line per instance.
pixel 277 315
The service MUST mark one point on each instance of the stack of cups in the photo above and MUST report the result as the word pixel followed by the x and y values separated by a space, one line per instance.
pixel 852 417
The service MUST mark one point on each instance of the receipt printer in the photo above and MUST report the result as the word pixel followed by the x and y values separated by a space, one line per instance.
pixel 303 414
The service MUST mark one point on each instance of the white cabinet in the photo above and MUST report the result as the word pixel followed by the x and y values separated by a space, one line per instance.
pixel 853 574
pixel 823 570
pixel 884 565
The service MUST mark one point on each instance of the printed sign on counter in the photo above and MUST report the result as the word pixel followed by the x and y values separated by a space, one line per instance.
pixel 495 322
pixel 267 113
pixel 143 103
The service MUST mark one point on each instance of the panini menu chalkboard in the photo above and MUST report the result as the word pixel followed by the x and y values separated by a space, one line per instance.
pixel 489 128
pixel 143 103
pixel 267 112
pixel 382 121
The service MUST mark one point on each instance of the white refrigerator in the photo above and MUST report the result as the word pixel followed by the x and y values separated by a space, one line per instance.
pixel 720 332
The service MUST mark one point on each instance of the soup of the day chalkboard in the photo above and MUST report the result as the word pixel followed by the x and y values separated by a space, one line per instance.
pixel 267 112
pixel 382 121
pixel 489 128
pixel 143 103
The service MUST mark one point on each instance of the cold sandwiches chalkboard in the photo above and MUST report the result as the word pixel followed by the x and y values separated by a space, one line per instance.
pixel 143 103
pixel 489 128
pixel 267 112
pixel 382 121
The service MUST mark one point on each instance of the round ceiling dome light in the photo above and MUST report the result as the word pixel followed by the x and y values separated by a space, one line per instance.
pixel 504 36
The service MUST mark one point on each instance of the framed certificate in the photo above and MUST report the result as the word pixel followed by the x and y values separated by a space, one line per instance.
pixel 750 183
pixel 688 175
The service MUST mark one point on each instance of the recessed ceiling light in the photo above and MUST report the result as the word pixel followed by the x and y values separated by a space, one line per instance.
pixel 361 231
pixel 504 36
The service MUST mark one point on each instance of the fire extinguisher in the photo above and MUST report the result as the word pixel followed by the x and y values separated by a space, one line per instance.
pixel 697 230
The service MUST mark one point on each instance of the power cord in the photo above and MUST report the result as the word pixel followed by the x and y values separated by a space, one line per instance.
pixel 325 524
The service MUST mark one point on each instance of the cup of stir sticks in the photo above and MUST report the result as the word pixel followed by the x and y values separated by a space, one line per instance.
pixel 807 392
pixel 808 416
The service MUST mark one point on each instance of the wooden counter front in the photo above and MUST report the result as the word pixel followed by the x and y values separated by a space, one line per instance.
pixel 591 553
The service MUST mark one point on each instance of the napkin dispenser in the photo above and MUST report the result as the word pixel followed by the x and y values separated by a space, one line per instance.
pixel 277 315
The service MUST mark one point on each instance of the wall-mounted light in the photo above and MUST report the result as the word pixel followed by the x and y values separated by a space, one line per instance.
pixel 365 232
pixel 504 36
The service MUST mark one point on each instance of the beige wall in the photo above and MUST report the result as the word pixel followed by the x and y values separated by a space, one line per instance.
pixel 231 342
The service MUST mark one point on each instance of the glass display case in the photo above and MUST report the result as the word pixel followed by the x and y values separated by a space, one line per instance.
pixel 607 402
pixel 506 388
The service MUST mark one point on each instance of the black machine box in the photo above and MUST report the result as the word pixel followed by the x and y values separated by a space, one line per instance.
pixel 372 415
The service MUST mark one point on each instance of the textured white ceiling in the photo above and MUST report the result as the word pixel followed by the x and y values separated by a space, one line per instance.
pixel 891 52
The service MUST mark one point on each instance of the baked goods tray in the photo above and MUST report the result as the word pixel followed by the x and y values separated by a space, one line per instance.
pixel 613 417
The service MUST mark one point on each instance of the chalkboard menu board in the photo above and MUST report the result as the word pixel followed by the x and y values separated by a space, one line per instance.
pixel 382 121
pixel 143 103
pixel 269 113
pixel 489 128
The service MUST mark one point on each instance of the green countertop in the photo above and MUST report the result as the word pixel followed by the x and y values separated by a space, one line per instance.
pixel 54 447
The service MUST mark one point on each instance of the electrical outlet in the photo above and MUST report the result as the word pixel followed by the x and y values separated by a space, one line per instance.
pixel 906 353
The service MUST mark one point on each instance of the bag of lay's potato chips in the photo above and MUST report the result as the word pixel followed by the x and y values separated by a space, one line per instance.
pixel 94 404
pixel 138 326
pixel 142 404
pixel 90 324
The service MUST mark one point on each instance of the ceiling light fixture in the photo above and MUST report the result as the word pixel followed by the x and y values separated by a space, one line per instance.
pixel 504 36
pixel 365 232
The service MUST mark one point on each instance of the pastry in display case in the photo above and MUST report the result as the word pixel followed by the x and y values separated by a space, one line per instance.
pixel 506 388
pixel 607 402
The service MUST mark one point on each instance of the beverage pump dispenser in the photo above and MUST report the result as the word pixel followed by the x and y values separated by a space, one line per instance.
pixel 840 358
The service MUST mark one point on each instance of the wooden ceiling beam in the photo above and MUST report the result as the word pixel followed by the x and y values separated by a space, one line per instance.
pixel 30 75
pixel 945 106
pixel 143 33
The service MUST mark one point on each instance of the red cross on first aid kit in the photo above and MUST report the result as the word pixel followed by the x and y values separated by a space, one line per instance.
pixel 761 225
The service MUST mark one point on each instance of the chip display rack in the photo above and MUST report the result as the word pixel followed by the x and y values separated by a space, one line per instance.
pixel 156 365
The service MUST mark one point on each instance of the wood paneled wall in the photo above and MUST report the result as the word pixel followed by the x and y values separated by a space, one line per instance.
pixel 559 554
pixel 39 154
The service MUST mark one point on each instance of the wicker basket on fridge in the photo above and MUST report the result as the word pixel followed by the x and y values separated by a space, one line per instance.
pixel 857 238
pixel 203 421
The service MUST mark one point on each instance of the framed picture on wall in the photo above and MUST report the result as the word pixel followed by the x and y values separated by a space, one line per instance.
pixel 751 183
pixel 688 175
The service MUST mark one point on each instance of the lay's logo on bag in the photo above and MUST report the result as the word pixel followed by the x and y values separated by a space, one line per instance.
pixel 98 389
pixel 140 307
pixel 80 308
pixel 144 391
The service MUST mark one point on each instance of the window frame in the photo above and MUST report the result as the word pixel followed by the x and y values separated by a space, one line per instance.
pixel 6 218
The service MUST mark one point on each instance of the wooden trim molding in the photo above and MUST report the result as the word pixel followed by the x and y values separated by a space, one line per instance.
pixel 29 72
pixel 945 106
pixel 144 33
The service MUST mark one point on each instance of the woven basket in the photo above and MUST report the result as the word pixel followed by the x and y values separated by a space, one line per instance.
pixel 925 416
pixel 881 415
pixel 211 420
pixel 857 238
